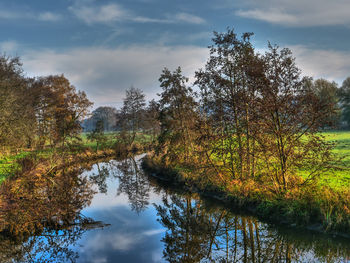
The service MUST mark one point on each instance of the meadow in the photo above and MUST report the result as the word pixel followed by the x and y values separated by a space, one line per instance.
pixel 340 178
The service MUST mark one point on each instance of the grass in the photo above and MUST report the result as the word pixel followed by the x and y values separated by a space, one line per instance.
pixel 339 179
pixel 8 160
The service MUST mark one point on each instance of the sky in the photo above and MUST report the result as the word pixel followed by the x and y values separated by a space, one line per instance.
pixel 106 46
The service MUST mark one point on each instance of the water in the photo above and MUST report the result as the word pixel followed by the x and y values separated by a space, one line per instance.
pixel 116 213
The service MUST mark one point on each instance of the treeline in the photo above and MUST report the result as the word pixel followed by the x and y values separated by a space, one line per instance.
pixel 37 111
pixel 134 116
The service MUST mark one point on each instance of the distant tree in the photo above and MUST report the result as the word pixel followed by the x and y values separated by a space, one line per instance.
pixel 328 93
pixel 98 135
pixel 178 115
pixel 151 122
pixel 107 114
pixel 131 115
pixel 344 97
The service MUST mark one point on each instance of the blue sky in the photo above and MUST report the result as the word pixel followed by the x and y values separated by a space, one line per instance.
pixel 104 47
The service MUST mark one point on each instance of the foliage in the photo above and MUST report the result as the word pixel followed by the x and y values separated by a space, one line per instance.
pixel 344 96
pixel 260 117
pixel 177 116
pixel 59 109
pixel 107 114
pixel 97 135
pixel 130 120
pixel 17 119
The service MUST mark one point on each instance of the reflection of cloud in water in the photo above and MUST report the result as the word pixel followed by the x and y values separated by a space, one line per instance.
pixel 122 241
pixel 129 232
pixel 99 260
pixel 153 232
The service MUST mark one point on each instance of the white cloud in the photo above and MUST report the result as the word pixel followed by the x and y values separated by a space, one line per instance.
pixel 101 14
pixel 105 73
pixel 21 14
pixel 272 15
pixel 329 64
pixel 297 13
pixel 109 13
pixel 188 18
pixel 8 47
pixel 49 16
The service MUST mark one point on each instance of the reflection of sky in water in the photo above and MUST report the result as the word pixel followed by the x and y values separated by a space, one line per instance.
pixel 131 236
pixel 135 235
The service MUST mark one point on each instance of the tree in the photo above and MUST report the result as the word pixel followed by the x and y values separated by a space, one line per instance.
pixel 59 108
pixel 344 97
pixel 107 114
pixel 177 116
pixel 229 86
pixel 328 93
pixel 259 117
pixel 17 120
pixel 151 122
pixel 98 135
pixel 290 113
pixel 131 115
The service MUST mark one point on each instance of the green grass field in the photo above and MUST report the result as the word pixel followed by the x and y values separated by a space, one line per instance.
pixel 339 179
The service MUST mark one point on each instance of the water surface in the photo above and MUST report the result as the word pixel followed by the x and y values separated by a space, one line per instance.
pixel 115 213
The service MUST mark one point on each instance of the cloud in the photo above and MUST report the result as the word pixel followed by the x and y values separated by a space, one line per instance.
pixel 188 18
pixel 105 73
pixel 272 15
pixel 314 62
pixel 101 14
pixel 110 13
pixel 21 14
pixel 318 63
pixel 298 13
pixel 8 47
pixel 49 16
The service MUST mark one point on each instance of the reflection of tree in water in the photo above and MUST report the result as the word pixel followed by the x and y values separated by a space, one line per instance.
pixel 133 183
pixel 41 217
pixel 197 234
pixel 103 172
pixel 187 230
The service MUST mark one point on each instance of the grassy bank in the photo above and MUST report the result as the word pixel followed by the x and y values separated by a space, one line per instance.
pixel 83 149
pixel 323 205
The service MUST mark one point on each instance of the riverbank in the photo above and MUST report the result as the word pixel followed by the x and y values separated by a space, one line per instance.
pixel 75 151
pixel 319 208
